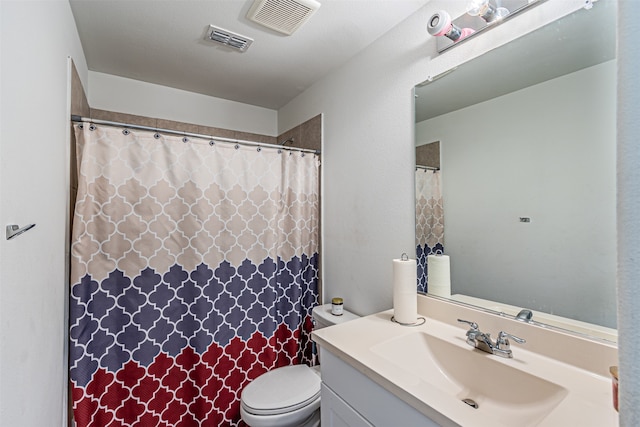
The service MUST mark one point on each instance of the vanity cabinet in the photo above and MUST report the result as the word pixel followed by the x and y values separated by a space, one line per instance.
pixel 351 399
pixel 337 413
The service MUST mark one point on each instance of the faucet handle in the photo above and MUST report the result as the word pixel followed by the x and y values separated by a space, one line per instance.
pixel 472 333
pixel 503 340
pixel 472 325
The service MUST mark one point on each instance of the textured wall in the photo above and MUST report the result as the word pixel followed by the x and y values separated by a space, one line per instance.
pixel 628 208
pixel 428 154
pixel 189 127
pixel 306 135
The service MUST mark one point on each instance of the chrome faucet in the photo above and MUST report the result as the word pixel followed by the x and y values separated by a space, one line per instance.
pixel 524 315
pixel 482 341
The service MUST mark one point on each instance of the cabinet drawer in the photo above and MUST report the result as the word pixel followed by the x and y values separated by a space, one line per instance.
pixel 337 413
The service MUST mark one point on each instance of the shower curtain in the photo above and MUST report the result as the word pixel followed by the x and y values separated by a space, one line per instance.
pixel 194 270
pixel 429 221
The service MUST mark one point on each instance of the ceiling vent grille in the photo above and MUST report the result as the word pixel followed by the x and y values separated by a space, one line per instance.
pixel 284 16
pixel 228 38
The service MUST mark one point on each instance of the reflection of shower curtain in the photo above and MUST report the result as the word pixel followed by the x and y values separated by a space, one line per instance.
pixel 194 270
pixel 429 221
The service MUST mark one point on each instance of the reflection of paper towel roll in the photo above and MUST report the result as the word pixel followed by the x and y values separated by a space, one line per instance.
pixel 405 296
pixel 439 275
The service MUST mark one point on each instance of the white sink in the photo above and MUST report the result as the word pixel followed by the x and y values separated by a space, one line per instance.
pixel 554 380
pixel 503 392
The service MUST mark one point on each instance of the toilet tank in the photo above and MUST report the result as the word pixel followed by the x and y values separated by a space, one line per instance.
pixel 323 317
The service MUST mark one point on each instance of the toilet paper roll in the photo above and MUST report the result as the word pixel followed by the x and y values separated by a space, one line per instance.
pixel 439 275
pixel 405 296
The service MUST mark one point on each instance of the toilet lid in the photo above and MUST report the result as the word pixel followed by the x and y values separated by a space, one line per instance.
pixel 281 390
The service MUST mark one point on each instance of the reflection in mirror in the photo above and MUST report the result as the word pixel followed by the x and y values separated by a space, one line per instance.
pixel 429 210
pixel 527 149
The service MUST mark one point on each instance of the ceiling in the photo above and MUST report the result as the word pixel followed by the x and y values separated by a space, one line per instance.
pixel 162 42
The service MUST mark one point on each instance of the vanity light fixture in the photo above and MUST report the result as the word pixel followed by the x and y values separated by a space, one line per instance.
pixel 487 10
pixel 480 16
pixel 440 24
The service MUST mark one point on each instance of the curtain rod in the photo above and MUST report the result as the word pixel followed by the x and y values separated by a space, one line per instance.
pixel 75 118
pixel 429 168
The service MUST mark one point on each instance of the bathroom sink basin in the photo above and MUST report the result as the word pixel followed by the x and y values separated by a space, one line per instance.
pixel 501 390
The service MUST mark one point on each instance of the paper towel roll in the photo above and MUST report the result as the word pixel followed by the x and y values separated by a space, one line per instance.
pixel 405 296
pixel 439 275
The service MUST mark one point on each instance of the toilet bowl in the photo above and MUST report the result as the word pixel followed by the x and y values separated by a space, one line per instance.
pixel 289 396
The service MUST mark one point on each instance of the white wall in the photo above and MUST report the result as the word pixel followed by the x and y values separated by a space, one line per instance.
pixel 37 37
pixel 555 144
pixel 113 93
pixel 368 151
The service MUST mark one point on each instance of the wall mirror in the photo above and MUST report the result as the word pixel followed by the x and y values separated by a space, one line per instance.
pixel 526 136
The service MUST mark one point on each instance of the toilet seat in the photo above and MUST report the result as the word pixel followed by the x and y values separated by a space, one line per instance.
pixel 282 390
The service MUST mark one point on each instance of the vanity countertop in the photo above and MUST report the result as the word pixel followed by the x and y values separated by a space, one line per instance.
pixel 396 357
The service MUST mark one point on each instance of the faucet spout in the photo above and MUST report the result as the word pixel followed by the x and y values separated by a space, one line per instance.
pixel 524 315
pixel 484 343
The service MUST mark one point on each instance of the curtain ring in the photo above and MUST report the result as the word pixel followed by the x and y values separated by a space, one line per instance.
pixel 92 127
pixel 185 139
pixel 212 143
pixel 125 131
pixel 237 146
pixel 259 149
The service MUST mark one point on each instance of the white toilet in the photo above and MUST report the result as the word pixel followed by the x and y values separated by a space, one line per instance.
pixel 289 396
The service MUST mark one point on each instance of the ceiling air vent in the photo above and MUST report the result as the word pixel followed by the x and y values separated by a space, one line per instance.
pixel 284 16
pixel 228 38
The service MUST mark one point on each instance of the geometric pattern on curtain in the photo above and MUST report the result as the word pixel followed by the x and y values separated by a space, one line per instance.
pixel 429 221
pixel 194 270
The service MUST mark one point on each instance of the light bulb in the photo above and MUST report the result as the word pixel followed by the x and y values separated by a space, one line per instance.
pixel 440 25
pixel 487 10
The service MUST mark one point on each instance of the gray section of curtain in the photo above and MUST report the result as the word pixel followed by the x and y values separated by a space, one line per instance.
pixel 429 209
pixel 201 203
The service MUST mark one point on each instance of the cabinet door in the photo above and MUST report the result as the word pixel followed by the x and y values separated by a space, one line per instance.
pixel 335 412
